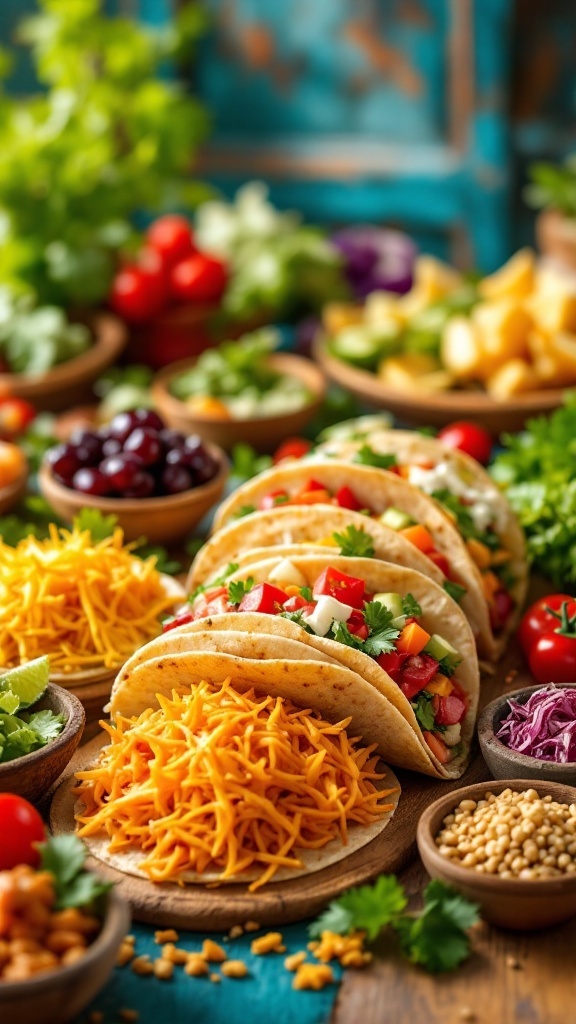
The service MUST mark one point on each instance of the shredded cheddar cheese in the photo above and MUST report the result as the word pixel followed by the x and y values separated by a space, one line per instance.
pixel 218 781
pixel 83 604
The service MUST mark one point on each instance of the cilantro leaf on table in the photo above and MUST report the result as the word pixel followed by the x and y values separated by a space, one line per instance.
pixel 366 908
pixel 436 938
pixel 455 590
pixel 239 588
pixel 366 456
pixel 64 857
pixel 410 606
pixel 355 543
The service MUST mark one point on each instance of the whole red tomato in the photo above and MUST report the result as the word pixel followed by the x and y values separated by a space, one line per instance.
pixel 292 448
pixel 469 438
pixel 553 658
pixel 139 291
pixel 199 278
pixel 15 415
pixel 171 237
pixel 20 828
pixel 538 620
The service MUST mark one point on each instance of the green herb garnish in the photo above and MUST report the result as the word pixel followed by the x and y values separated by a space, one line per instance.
pixel 456 590
pixel 366 456
pixel 355 543
pixel 218 582
pixel 423 710
pixel 239 588
pixel 410 606
pixel 64 857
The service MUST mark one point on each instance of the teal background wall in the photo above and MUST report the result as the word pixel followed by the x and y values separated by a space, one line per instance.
pixel 420 113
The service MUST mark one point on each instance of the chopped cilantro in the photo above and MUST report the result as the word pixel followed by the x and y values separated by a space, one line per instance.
pixel 244 510
pixel 466 526
pixel 355 542
pixel 381 635
pixel 410 606
pixel 64 857
pixel 306 593
pixel 366 456
pixel 448 664
pixel 218 582
pixel 239 588
pixel 423 710
pixel 298 618
pixel 456 590
pixel 342 635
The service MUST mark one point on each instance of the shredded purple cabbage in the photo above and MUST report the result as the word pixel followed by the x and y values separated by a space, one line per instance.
pixel 543 727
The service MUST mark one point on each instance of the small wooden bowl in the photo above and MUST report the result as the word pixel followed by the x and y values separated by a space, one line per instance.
pixel 58 996
pixel 505 763
pixel 161 520
pixel 423 408
pixel 263 433
pixel 70 383
pixel 12 493
pixel 32 775
pixel 513 903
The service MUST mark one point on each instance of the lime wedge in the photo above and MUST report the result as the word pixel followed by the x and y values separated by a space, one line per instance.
pixel 27 681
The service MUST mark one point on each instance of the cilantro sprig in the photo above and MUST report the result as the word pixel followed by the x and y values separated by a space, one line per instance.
pixel 64 857
pixel 366 456
pixel 455 590
pixel 238 589
pixel 355 543
pixel 381 633
pixel 218 582
pixel 435 937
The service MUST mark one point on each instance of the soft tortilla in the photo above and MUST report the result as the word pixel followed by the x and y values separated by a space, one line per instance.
pixel 378 490
pixel 287 525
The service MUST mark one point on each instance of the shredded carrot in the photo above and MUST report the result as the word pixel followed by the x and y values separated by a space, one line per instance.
pixel 84 604
pixel 226 782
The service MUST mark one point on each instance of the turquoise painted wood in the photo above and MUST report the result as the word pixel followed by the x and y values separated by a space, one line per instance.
pixel 266 995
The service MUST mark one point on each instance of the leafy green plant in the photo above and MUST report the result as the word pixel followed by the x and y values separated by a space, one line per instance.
pixel 107 138
pixel 553 186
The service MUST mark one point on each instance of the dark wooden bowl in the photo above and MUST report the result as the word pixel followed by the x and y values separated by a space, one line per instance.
pixel 519 904
pixel 70 383
pixel 423 408
pixel 32 775
pixel 264 433
pixel 505 763
pixel 57 996
pixel 164 520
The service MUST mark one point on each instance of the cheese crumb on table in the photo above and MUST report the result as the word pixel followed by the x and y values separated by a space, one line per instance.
pixel 313 976
pixel 196 965
pixel 168 935
pixel 292 962
pixel 269 943
pixel 234 969
pixel 212 952
pixel 141 965
pixel 236 931
pixel 252 926
pixel 173 954
pixel 163 969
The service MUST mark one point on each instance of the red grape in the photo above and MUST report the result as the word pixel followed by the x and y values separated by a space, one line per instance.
pixel 149 418
pixel 121 470
pixel 142 485
pixel 90 481
pixel 172 439
pixel 122 425
pixel 176 479
pixel 111 446
pixel 64 461
pixel 145 443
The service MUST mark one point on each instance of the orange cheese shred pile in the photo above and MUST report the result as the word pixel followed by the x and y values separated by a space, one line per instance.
pixel 84 604
pixel 229 783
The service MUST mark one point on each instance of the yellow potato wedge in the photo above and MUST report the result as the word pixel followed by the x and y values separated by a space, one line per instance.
pixel 433 279
pixel 514 280
pixel 553 311
pixel 337 315
pixel 513 378
pixel 414 371
pixel 461 348
pixel 503 326
pixel 383 307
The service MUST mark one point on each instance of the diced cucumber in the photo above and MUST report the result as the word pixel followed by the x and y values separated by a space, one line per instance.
pixel 393 602
pixel 439 648
pixel 396 519
pixel 363 345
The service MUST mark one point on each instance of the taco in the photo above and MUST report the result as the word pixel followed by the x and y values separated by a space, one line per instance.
pixel 167 799
pixel 384 496
pixel 317 528
pixel 393 626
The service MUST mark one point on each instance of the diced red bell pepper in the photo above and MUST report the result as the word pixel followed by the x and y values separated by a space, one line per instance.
pixel 441 561
pixel 451 710
pixel 392 663
pixel 346 498
pixel 314 485
pixel 299 604
pixel 347 589
pixel 501 608
pixel 273 499
pixel 264 597
pixel 418 670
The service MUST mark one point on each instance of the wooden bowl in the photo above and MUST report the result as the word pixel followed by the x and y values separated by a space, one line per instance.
pixel 58 996
pixel 161 520
pixel 70 383
pixel 32 775
pixel 513 903
pixel 505 763
pixel 263 433
pixel 12 493
pixel 423 408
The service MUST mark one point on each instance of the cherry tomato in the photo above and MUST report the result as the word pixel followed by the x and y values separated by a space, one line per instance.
pixel 292 448
pixel 198 278
pixel 20 827
pixel 138 292
pixel 347 589
pixel 451 710
pixel 468 437
pixel 171 237
pixel 552 658
pixel 15 416
pixel 538 620
pixel 264 597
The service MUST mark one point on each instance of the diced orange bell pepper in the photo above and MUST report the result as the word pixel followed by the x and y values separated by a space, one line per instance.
pixel 207 405
pixel 500 557
pixel 292 590
pixel 437 747
pixel 479 553
pixel 312 498
pixel 412 639
pixel 440 685
pixel 419 536
pixel 490 584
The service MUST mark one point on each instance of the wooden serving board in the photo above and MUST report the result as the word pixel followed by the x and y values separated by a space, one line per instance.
pixel 216 909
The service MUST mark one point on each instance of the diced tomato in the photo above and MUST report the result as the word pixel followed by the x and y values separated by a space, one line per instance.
pixel 314 485
pixel 273 499
pixel 418 670
pixel 451 710
pixel 216 605
pixel 299 604
pixel 441 561
pixel 412 639
pixel 420 537
pixel 346 498
pixel 392 663
pixel 437 746
pixel 361 631
pixel 292 448
pixel 347 589
pixel 500 609
pixel 264 597
pixel 178 620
